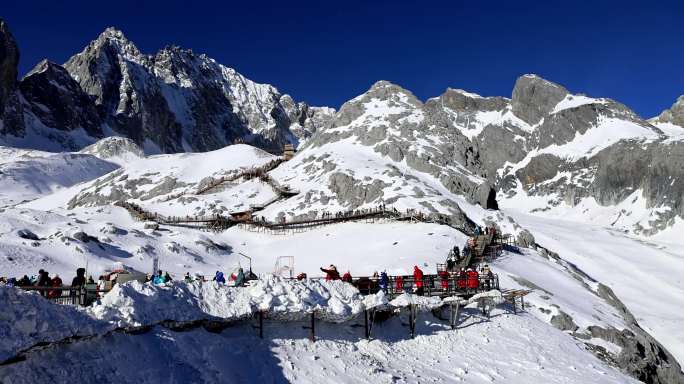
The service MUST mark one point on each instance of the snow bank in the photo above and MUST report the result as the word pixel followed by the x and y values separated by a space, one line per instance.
pixel 134 304
pixel 423 303
pixel 495 295
pixel 27 319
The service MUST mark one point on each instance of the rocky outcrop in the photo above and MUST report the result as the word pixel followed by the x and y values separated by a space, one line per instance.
pixel 9 59
pixel 178 100
pixel 11 112
pixel 641 355
pixel 172 101
pixel 674 115
pixel 533 98
pixel 58 101
pixel 111 147
pixel 525 239
pixel 395 124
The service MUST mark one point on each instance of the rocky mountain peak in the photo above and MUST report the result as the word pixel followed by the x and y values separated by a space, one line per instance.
pixel 58 101
pixel 674 115
pixel 46 65
pixel 384 89
pixel 534 97
pixel 463 101
pixel 114 147
pixel 115 36
pixel 9 59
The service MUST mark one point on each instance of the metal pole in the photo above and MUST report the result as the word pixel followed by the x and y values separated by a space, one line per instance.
pixel 365 323
pixel 261 324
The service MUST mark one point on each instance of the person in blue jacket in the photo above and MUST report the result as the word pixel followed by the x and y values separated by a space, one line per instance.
pixel 384 281
pixel 219 277
pixel 158 278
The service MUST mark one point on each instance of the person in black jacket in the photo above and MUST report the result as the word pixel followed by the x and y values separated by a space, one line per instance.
pixel 24 282
pixel 79 280
pixel 43 280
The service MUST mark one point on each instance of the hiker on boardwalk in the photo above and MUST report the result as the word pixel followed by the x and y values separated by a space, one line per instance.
pixel 80 279
pixel 240 278
pixel 452 260
pixel 444 280
pixel 462 279
pixel 417 280
pixel 384 282
pixel 218 277
pixel 473 279
pixel 24 281
pixel 331 273
pixel 56 282
pixel 466 251
pixel 347 277
pixel 43 280
pixel 158 278
pixel 488 276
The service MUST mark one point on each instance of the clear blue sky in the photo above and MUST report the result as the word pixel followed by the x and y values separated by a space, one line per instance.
pixel 328 52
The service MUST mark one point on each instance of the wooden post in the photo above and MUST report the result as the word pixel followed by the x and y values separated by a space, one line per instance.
pixel 365 324
pixel 412 320
pixel 312 328
pixel 453 318
pixel 522 302
pixel 261 324
pixel 515 306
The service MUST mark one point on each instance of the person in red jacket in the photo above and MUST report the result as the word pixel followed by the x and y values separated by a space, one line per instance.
pixel 347 277
pixel 418 280
pixel 55 282
pixel 444 276
pixel 461 280
pixel 331 273
pixel 473 279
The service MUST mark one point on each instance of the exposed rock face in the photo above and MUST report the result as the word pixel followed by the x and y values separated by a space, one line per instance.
pixel 173 101
pixel 11 114
pixel 641 356
pixel 177 100
pixel 9 59
pixel 525 239
pixel 114 147
pixel 674 115
pixel 563 322
pixel 394 123
pixel 58 101
pixel 534 97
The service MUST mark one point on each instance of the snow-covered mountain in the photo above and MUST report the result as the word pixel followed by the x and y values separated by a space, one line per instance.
pixel 172 101
pixel 587 187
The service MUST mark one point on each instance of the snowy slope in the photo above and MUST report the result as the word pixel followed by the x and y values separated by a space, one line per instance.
pixel 26 175
pixel 537 354
pixel 646 275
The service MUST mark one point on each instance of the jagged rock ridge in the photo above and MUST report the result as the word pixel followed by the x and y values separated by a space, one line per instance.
pixel 173 101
